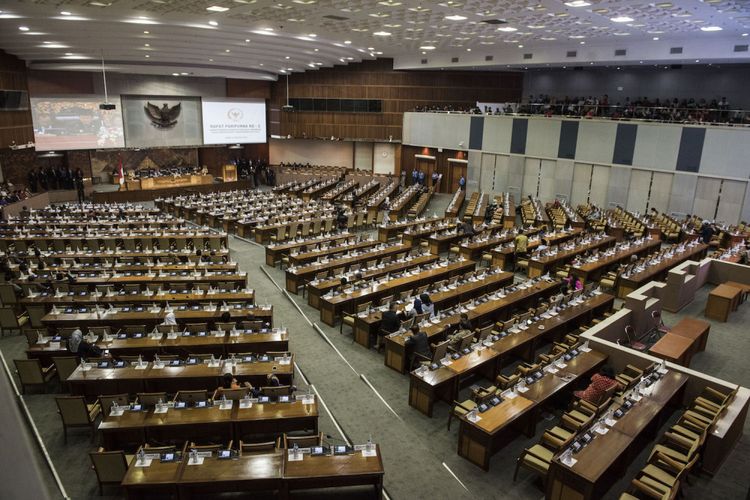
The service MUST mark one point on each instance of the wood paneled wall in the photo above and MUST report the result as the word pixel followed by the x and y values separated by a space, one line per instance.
pixel 400 91
pixel 15 126
pixel 451 171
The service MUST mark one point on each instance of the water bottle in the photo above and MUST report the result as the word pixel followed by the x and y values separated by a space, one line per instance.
pixel 194 455
pixel 115 407
pixel 295 451
pixel 157 361
pixel 159 404
pixel 369 446
pixel 141 456
pixel 140 360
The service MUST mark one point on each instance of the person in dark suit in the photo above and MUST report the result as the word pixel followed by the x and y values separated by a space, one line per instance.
pixel 389 323
pixel 420 342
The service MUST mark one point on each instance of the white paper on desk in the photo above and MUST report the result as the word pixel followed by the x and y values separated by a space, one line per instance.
pixel 161 409
pixel 197 461
pixel 117 413
pixel 294 457
pixel 140 367
pixel 158 366
pixel 226 406
pixel 522 389
pixel 145 463
pixel 509 395
pixel 245 404
pixel 54 345
pixel 663 371
pixel 476 418
pixel 372 453
pixel 584 349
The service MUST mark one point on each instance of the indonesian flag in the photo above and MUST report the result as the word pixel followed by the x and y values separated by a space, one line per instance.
pixel 120 171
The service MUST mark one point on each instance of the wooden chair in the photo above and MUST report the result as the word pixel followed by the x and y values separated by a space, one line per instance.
pixel 460 410
pixel 11 320
pixel 191 397
pixel 231 394
pixel 151 398
pixel 75 412
pixel 629 376
pixel 276 391
pixel 65 366
pixel 676 447
pixel 106 402
pixel 110 466
pixel 302 441
pixel 259 448
pixel 662 471
pixel 640 490
pixel 350 319
pixel 32 373
pixel 538 457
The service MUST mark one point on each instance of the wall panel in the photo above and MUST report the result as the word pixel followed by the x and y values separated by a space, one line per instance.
pixel 497 134
pixel 487 174
pixel 564 178
pixel 596 142
pixel 516 165
pixel 363 155
pixel 706 196
pixel 547 180
pixel 656 146
pixel 502 169
pixel 581 181
pixel 638 191
pixel 682 194
pixel 661 187
pixel 731 201
pixel 599 183
pixel 726 153
pixel 543 138
pixel 531 177
pixel 617 191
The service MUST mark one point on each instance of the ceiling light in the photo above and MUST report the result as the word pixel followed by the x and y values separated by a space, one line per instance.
pixel 577 36
pixel 213 23
pixel 711 28
pixel 468 50
pixel 287 57
pixel 621 19
pixel 548 38
pixel 247 40
pixel 312 35
pixel 23 28
pixel 147 56
pixel 578 3
pixel 520 46
pixel 147 45
pixel 427 47
pixel 175 74
pixel 51 45
pixel 744 34
pixel 65 13
pixel 455 17
pixel 348 42
pixel 217 8
pixel 656 38
pixel 316 50
pixel 382 33
pixel 146 32
pixel 507 29
pixel 184 74
pixel 227 50
pixel 536 26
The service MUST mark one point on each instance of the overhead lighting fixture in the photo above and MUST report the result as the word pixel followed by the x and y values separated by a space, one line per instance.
pixel 711 28
pixel 744 34
pixel 213 23
pixel 312 35
pixel 65 13
pixel 52 45
pixel 536 26
pixel 656 39
pixel 147 56
pixel 507 29
pixel 23 28
pixel 146 32
pixel 455 17
pixel 382 33
pixel 175 74
pixel 578 3
pixel 427 47
pixel 621 19
pixel 217 8
pixel 348 42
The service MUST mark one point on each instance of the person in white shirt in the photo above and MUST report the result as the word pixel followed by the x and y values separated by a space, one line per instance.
pixel 170 319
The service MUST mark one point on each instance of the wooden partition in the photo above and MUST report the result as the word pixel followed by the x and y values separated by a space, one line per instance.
pixel 150 195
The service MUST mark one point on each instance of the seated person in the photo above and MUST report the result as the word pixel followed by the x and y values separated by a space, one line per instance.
pixel 419 340
pixel 423 304
pixel 78 346
pixel 600 383
pixel 464 322
pixel 389 323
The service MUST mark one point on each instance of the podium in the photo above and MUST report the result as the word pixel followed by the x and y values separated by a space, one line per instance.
pixel 229 173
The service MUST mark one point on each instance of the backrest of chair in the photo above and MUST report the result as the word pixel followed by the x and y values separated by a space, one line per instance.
pixel 233 394
pixel 7 294
pixel 191 396
pixel 110 466
pixel 107 400
pixel 251 448
pixel 275 391
pixel 73 410
pixel 65 366
pixel 303 441
pixel 29 371
pixel 31 335
pixel 151 398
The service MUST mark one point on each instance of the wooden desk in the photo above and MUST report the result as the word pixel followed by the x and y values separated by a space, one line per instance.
pixel 89 299
pixel 625 285
pixel 248 473
pixel 300 276
pixel 224 346
pixel 592 271
pixel 745 289
pixel 606 458
pixel 694 329
pixel 210 422
pixel 96 381
pixel 540 265
pixel 274 252
pixel 158 478
pixel 386 232
pixel 150 319
pixel 316 289
pixel 495 309
pixel 478 441
pixel 332 471
pixel 675 348
pixel 721 301
pixel 443 383
pixel 302 258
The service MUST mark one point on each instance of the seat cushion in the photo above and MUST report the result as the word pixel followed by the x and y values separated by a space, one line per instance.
pixel 659 474
pixel 540 452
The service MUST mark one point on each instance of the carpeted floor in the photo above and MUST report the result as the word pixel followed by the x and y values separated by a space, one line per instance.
pixel 366 398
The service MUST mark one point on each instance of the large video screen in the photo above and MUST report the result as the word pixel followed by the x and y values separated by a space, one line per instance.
pixel 234 121
pixel 76 123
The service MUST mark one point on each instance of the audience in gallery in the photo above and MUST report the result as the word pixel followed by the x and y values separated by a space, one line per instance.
pixel 8 194
pixel 692 110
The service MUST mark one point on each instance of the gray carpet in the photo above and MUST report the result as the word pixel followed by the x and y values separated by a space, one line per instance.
pixel 419 453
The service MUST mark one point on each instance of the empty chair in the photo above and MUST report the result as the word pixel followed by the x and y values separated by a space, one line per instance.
pixel 110 466
pixel 11 320
pixel 191 397
pixel 233 394
pixel 259 448
pixel 539 457
pixel 276 391
pixel 106 402
pixel 32 373
pixel 151 398
pixel 65 366
pixel 302 441
pixel 75 412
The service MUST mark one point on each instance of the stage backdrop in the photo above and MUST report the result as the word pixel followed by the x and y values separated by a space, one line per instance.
pixel 163 126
